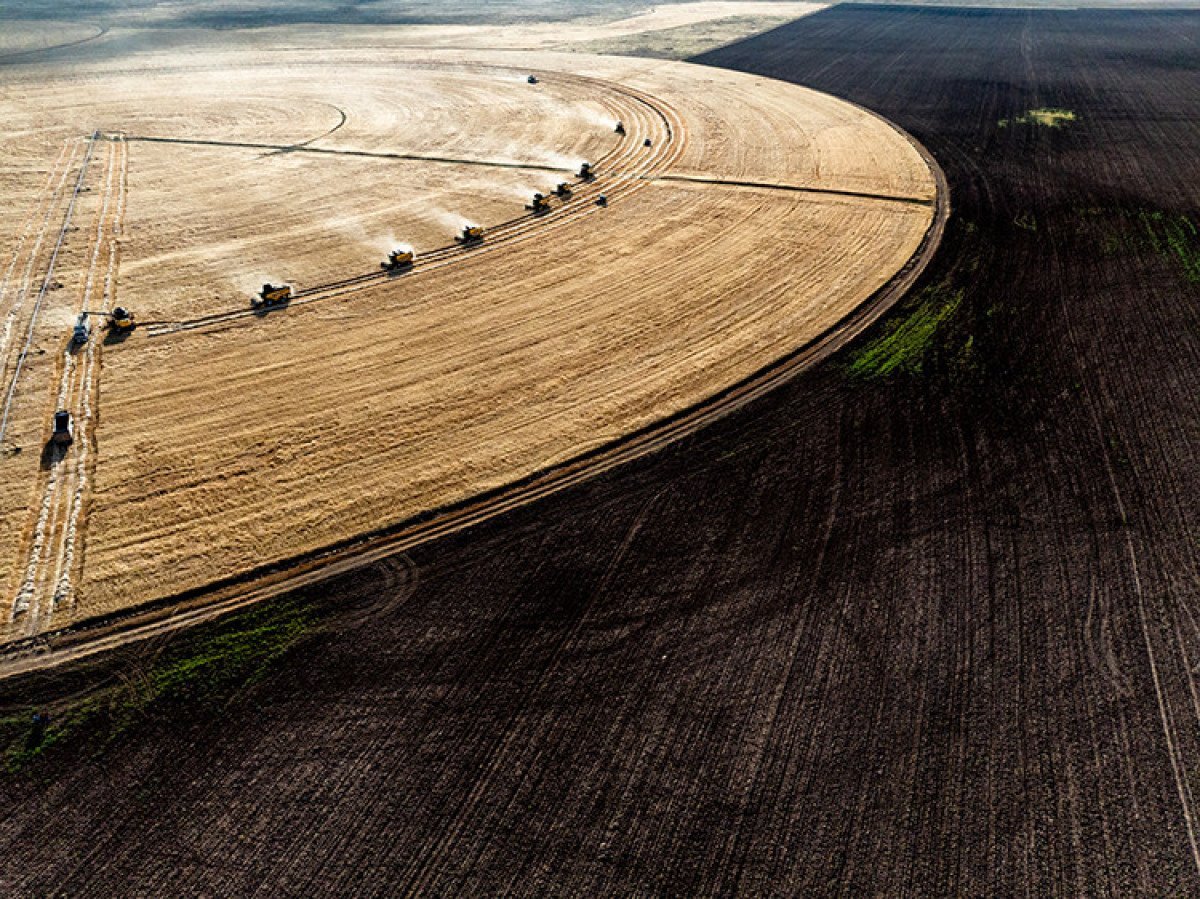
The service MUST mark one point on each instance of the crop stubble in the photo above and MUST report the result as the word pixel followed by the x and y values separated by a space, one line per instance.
pixel 223 449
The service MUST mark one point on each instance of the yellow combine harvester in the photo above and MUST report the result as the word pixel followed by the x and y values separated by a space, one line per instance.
pixel 271 295
pixel 562 190
pixel 122 320
pixel 586 172
pixel 541 203
pixel 397 260
pixel 470 234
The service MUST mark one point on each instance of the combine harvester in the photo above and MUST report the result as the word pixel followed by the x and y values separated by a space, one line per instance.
pixel 540 204
pixel 271 296
pixel 563 190
pixel 83 330
pixel 586 172
pixel 398 261
pixel 121 321
pixel 470 234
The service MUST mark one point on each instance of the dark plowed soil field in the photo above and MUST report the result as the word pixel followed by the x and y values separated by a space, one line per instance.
pixel 926 621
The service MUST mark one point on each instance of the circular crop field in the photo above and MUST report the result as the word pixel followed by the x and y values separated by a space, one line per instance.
pixel 733 229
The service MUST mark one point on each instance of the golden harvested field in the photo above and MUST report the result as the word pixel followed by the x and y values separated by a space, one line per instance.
pixel 215 440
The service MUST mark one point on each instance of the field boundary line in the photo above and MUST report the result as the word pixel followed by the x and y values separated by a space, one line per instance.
pixel 796 188
pixel 366 154
pixel 28 598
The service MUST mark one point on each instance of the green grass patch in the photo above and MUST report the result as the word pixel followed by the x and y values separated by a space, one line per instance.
pixel 1174 237
pixel 201 672
pixel 1047 117
pixel 905 345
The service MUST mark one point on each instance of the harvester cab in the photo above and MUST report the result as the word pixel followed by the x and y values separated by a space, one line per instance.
pixel 470 234
pixel 83 330
pixel 121 320
pixel 586 172
pixel 563 189
pixel 270 295
pixel 540 204
pixel 398 260
pixel 620 129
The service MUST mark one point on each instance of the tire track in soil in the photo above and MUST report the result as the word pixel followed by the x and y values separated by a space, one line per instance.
pixel 49 204
pixel 1164 712
pixel 47 281
pixel 52 537
pixel 508 754
pixel 88 394
pixel 21 56
pixel 44 196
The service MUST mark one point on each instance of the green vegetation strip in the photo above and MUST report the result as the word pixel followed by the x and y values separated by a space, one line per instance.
pixel 906 342
pixel 203 672
pixel 1174 237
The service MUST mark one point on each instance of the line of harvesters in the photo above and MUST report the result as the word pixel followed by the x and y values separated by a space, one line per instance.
pixel 400 260
pixel 121 321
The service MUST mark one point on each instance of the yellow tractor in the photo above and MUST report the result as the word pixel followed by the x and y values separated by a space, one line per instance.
pixel 271 295
pixel 470 234
pixel 122 321
pixel 540 204
pixel 398 260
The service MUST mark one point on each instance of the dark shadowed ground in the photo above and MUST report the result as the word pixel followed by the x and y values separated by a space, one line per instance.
pixel 923 622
